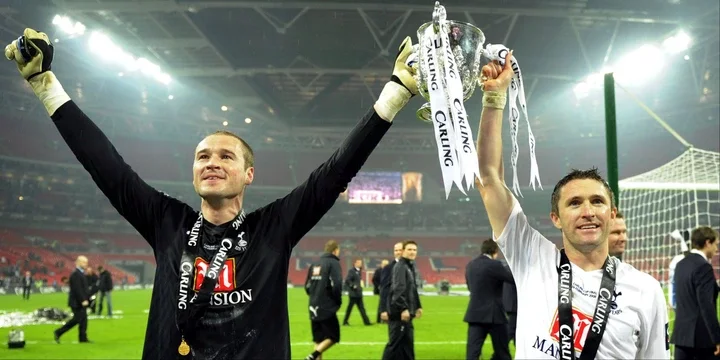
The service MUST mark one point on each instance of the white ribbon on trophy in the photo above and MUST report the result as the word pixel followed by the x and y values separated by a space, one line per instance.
pixel 516 95
pixel 455 142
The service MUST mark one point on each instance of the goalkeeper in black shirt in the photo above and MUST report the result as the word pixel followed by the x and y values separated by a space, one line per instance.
pixel 220 286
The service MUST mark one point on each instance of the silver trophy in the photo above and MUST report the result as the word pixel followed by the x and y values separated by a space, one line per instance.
pixel 466 42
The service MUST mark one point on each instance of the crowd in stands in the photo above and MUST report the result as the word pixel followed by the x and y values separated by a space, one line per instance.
pixel 49 213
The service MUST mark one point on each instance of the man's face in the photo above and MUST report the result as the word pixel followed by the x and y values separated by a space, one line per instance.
pixel 711 248
pixel 585 214
pixel 358 263
pixel 410 252
pixel 398 250
pixel 618 237
pixel 219 168
pixel 82 262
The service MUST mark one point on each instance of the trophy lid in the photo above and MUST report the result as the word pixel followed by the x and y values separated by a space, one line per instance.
pixel 439 14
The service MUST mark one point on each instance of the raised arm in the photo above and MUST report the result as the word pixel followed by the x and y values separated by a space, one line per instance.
pixel 134 199
pixel 496 196
pixel 300 210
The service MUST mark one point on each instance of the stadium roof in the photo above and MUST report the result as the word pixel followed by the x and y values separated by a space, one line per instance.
pixel 320 64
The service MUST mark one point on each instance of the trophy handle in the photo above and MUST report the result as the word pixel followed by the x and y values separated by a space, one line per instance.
pixel 424 113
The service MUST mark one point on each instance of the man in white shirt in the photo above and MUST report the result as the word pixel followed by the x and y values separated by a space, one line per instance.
pixel 578 302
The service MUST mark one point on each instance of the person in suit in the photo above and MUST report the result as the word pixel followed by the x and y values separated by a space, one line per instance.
pixel 386 281
pixel 353 283
pixel 27 281
pixel 485 313
pixel 403 306
pixel 105 286
pixel 377 284
pixel 697 332
pixel 78 301
pixel 509 300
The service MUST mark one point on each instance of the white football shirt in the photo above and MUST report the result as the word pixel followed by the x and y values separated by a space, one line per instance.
pixel 637 324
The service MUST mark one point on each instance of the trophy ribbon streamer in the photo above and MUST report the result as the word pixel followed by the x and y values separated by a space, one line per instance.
pixel 464 142
pixel 516 93
pixel 442 120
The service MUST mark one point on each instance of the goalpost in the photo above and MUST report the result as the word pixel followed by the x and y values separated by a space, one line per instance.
pixel 677 196
pixel 662 205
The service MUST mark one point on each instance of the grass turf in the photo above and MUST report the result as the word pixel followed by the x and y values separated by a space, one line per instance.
pixel 439 334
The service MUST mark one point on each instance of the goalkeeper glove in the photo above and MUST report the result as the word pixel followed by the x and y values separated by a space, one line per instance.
pixel 33 54
pixel 402 85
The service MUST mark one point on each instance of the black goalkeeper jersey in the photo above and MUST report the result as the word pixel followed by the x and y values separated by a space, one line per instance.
pixel 247 317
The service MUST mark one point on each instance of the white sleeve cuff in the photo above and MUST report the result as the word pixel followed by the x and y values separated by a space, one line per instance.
pixel 50 92
pixel 391 100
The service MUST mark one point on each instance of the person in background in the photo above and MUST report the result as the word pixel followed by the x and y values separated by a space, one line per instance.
pixel 324 288
pixel 696 334
pixel 354 285
pixel 27 282
pixel 105 286
pixel 485 277
pixel 617 239
pixel 403 306
pixel 377 285
pixel 78 301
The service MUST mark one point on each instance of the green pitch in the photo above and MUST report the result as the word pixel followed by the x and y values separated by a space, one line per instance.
pixel 439 334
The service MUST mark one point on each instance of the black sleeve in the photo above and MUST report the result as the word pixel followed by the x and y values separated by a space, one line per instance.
pixel 299 211
pixel 139 203
pixel 467 275
pixel 398 296
pixel 417 296
pixel 348 279
pixel 376 277
pixel 78 286
pixel 705 291
pixel 502 273
pixel 385 278
pixel 336 277
pixel 382 305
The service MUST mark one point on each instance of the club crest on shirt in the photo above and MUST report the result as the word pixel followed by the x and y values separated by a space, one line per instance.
pixel 242 243
pixel 614 308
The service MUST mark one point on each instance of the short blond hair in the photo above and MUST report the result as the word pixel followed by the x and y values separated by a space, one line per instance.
pixel 331 246
pixel 248 154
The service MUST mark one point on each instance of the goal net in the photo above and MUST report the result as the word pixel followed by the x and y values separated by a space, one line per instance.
pixel 673 198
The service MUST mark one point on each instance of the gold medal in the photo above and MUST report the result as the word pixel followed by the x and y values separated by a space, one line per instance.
pixel 184 348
